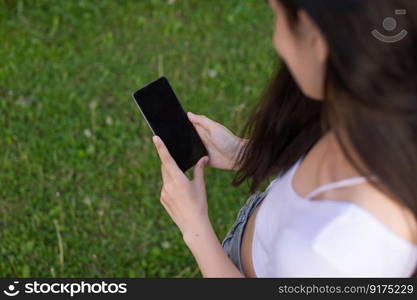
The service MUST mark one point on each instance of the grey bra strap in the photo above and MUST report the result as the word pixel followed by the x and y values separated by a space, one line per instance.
pixel 342 183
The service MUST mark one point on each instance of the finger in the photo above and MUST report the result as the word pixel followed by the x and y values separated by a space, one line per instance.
pixel 199 171
pixel 163 194
pixel 200 119
pixel 164 199
pixel 165 204
pixel 165 175
pixel 202 132
pixel 169 163
pixel 202 129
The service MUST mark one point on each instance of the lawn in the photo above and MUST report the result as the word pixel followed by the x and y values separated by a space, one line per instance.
pixel 79 175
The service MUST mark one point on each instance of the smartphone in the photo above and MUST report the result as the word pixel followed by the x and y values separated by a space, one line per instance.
pixel 167 119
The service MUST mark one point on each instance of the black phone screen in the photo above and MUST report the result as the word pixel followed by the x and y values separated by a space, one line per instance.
pixel 165 116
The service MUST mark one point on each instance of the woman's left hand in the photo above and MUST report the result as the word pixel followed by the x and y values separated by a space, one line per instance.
pixel 185 200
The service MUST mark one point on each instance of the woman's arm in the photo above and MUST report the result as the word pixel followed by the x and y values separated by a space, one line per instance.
pixel 209 254
pixel 185 201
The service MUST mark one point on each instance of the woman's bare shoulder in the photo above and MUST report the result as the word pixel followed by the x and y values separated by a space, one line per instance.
pixel 384 207
pixel 326 163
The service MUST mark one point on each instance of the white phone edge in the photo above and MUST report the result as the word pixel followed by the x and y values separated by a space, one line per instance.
pixel 134 99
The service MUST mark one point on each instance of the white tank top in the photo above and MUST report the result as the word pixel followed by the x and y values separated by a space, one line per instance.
pixel 295 236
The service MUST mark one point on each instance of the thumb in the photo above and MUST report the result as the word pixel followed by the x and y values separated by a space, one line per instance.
pixel 199 170
pixel 201 120
pixel 201 125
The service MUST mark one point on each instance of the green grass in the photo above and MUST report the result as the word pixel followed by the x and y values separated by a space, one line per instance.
pixel 79 176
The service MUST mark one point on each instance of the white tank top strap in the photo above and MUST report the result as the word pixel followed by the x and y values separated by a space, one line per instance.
pixel 342 183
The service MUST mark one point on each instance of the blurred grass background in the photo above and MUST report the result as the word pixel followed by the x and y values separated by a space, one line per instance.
pixel 79 176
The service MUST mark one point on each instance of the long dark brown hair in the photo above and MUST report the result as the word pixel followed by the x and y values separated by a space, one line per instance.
pixel 370 98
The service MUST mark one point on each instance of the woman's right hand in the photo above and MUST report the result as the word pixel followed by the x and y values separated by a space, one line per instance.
pixel 222 145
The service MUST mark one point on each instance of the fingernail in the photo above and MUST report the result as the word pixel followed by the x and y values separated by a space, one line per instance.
pixel 190 114
pixel 155 139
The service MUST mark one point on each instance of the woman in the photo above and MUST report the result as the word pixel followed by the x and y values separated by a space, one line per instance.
pixel 337 128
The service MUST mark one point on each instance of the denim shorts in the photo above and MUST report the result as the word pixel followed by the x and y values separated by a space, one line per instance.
pixel 232 242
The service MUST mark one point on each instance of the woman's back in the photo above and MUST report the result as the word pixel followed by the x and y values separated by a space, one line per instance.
pixel 294 235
